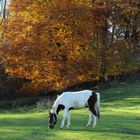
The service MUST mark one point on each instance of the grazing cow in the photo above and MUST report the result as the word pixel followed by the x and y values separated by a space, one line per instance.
pixel 75 100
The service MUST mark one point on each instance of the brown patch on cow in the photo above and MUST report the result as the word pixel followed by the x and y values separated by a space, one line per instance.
pixel 60 107
pixel 91 103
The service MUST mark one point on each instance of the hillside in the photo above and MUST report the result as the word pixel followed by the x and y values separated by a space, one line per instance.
pixel 120 120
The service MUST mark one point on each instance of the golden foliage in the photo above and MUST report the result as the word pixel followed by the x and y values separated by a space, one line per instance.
pixel 59 43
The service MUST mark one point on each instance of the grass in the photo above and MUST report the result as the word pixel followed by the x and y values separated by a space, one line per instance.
pixel 120 120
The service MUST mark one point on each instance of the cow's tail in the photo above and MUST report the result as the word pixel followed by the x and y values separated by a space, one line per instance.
pixel 97 105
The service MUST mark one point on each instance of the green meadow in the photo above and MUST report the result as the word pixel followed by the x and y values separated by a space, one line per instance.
pixel 120 120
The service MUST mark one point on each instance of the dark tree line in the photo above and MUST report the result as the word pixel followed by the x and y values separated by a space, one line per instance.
pixel 53 45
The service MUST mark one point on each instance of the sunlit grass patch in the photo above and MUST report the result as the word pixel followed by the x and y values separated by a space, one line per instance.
pixel 120 120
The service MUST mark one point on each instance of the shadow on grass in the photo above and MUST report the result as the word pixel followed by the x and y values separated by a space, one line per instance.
pixel 37 128
pixel 114 120
pixel 120 92
pixel 24 129
pixel 27 122
pixel 119 126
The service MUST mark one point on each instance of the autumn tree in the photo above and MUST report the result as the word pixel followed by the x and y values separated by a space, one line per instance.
pixel 59 43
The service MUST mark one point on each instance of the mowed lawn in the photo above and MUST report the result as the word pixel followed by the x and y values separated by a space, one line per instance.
pixel 120 120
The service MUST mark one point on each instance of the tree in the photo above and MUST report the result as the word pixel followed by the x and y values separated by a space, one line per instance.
pixel 57 43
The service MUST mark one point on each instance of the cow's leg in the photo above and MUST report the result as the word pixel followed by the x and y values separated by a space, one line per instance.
pixel 91 104
pixel 64 118
pixel 95 116
pixel 95 121
pixel 68 121
pixel 89 119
